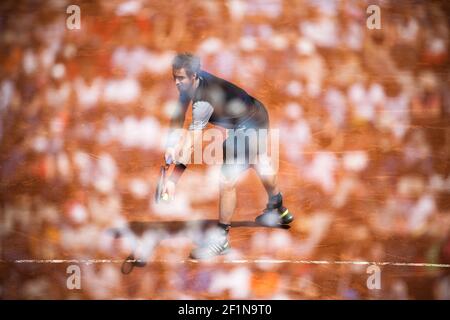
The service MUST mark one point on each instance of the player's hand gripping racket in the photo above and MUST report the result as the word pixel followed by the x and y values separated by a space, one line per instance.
pixel 162 180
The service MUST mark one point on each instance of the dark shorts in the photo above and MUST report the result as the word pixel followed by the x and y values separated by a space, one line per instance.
pixel 245 144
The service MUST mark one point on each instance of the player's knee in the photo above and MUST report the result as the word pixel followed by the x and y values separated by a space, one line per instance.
pixel 265 166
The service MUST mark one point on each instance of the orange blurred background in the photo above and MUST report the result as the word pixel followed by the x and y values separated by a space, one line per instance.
pixel 364 128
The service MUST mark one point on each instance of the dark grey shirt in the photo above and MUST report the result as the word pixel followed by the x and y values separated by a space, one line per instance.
pixel 220 102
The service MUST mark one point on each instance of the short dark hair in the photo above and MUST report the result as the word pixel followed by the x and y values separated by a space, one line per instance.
pixel 188 62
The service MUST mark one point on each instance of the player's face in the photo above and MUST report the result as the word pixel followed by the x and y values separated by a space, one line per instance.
pixel 183 82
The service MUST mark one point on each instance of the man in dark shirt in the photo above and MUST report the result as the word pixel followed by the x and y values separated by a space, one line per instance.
pixel 221 103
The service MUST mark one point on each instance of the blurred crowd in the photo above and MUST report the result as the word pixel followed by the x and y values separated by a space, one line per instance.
pixel 364 120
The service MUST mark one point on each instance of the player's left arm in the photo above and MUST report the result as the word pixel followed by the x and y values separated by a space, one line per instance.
pixel 201 113
pixel 176 128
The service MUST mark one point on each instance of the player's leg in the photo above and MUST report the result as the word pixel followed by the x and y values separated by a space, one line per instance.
pixel 216 240
pixel 274 213
pixel 235 162
pixel 269 181
pixel 227 201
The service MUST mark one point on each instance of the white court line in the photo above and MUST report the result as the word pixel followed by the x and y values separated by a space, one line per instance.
pixel 250 261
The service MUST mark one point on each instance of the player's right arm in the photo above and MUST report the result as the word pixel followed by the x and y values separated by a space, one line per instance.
pixel 175 135
pixel 201 113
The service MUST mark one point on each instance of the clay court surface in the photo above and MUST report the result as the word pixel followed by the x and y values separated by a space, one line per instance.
pixel 364 150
